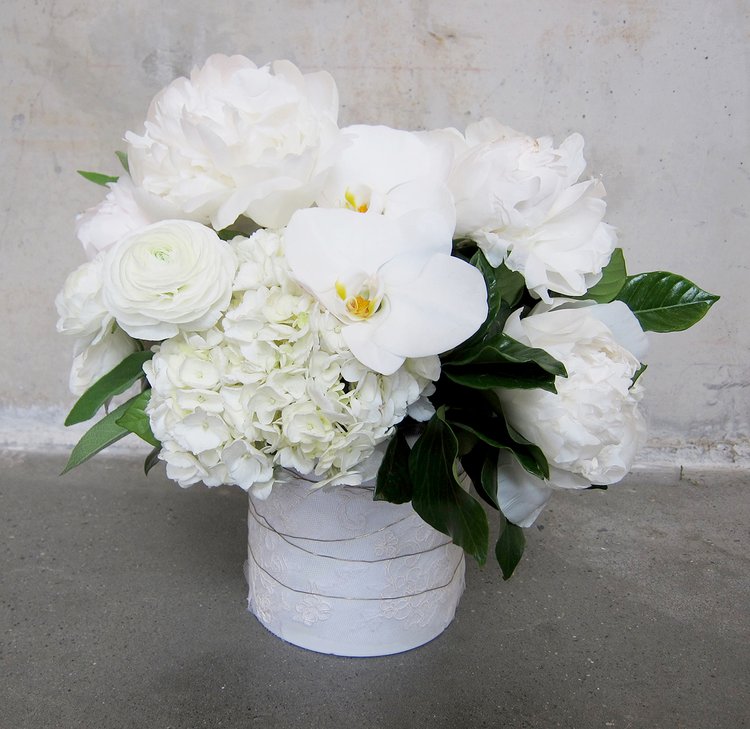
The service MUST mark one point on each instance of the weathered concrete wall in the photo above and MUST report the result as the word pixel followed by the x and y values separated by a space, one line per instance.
pixel 658 89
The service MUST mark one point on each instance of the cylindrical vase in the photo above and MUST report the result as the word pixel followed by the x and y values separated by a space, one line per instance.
pixel 333 571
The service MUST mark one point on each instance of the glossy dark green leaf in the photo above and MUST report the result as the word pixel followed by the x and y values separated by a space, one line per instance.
pixel 438 496
pixel 496 433
pixel 502 349
pixel 614 275
pixel 151 459
pixel 100 435
pixel 488 377
pixel 136 420
pixel 665 302
pixel 473 464
pixel 394 483
pixel 117 380
pixel 97 177
pixel 509 548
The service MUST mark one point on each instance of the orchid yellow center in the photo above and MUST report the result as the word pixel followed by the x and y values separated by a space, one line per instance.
pixel 353 204
pixel 361 307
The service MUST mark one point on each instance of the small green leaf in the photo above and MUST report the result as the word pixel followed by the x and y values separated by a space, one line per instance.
pixel 117 380
pixel 638 373
pixel 151 460
pixel 97 177
pixel 136 420
pixel 438 497
pixel 509 548
pixel 229 233
pixel 614 275
pixel 123 157
pixel 511 285
pixel 665 302
pixel 98 437
pixel 394 483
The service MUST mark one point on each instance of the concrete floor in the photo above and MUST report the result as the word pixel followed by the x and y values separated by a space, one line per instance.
pixel 123 605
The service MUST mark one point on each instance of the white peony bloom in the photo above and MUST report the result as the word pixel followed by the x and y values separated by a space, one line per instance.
pixel 394 286
pixel 519 199
pixel 274 386
pixel 235 139
pixel 590 429
pixel 80 305
pixel 170 276
pixel 124 210
pixel 99 356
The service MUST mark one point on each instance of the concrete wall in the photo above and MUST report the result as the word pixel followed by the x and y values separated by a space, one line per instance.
pixel 659 89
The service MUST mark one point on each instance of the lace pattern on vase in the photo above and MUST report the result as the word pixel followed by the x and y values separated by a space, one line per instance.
pixel 336 572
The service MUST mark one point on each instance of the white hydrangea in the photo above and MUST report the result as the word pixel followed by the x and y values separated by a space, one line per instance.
pixel 273 385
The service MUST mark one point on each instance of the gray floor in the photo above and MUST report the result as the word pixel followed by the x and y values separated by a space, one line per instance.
pixel 123 605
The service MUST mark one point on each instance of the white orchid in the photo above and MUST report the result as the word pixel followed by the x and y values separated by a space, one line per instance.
pixel 390 172
pixel 392 282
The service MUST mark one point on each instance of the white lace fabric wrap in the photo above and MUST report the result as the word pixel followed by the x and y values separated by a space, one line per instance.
pixel 335 572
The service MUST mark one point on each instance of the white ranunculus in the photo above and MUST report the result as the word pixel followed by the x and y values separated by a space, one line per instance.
pixel 171 276
pixel 235 139
pixel 519 199
pixel 590 429
pixel 394 286
pixel 124 210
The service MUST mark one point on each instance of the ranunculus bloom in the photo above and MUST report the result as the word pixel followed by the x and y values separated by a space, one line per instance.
pixel 236 139
pixel 391 282
pixel 170 276
pixel 518 198
pixel 590 429
pixel 125 209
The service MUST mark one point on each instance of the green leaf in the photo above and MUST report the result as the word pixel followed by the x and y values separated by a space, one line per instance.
pixel 509 548
pixel 496 433
pixel 117 380
pixel 228 233
pixel 394 483
pixel 488 377
pixel 614 275
pixel 97 177
pixel 438 497
pixel 638 373
pixel 151 460
pixel 136 420
pixel 473 463
pixel 665 302
pixel 511 285
pixel 123 157
pixel 98 437
pixel 502 349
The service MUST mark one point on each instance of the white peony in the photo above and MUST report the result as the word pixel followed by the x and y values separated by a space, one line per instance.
pixel 124 210
pixel 170 276
pixel 235 139
pixel 519 199
pixel 274 386
pixel 590 429
pixel 80 305
pixel 96 357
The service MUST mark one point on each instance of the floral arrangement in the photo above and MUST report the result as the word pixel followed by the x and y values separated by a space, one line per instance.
pixel 436 311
